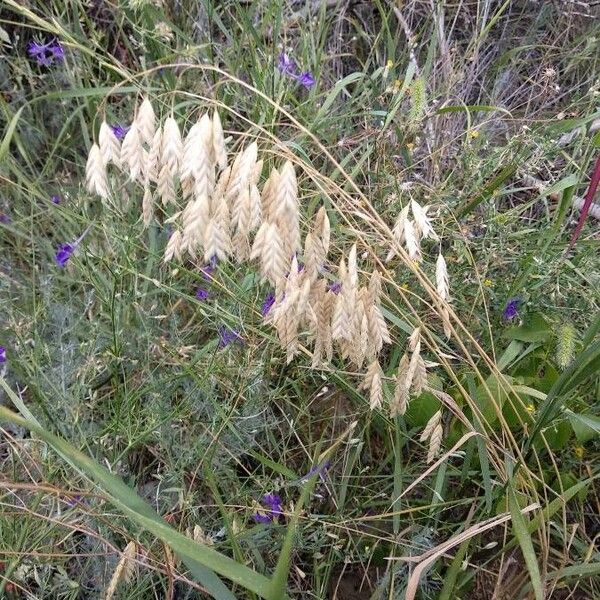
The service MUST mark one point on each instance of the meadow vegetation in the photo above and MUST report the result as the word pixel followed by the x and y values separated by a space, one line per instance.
pixel 299 299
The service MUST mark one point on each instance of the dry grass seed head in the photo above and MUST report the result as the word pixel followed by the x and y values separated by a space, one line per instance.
pixel 218 140
pixel 423 227
pixel 132 153
pixel 174 246
pixel 171 147
pixel 95 173
pixel 110 147
pixel 145 121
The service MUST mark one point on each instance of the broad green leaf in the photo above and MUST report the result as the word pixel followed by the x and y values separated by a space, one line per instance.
pixel 534 329
pixel 586 427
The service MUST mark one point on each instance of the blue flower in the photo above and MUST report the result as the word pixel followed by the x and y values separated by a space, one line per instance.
pixel 5 219
pixel 208 269
pixel 335 287
pixel 306 79
pixel 287 65
pixel 46 54
pixel 511 310
pixel 63 254
pixel 2 355
pixel 119 131
pixel 267 304
pixel 55 199
pixel 320 469
pixel 228 336
pixel 273 504
pixel 202 294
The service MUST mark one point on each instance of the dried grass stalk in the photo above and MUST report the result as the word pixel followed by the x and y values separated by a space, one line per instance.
pixel 373 383
pixel 218 140
pixel 423 227
pixel 434 433
pixel 124 570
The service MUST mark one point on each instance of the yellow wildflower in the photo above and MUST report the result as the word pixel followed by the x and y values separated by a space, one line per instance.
pixel 579 451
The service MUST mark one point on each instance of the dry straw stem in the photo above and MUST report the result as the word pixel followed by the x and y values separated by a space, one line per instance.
pixel 124 570
pixel 426 559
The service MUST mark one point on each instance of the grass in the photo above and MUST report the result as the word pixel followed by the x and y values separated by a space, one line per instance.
pixel 116 358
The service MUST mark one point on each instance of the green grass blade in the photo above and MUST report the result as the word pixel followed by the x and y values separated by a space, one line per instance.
pixel 200 559
pixel 10 130
pixel 522 534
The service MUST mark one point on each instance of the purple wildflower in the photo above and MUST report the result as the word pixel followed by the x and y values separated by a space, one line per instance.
pixel 320 469
pixel 46 54
pixel 4 218
pixel 2 354
pixel 335 287
pixel 273 504
pixel 287 65
pixel 267 304
pixel 511 310
pixel 202 294
pixel 208 270
pixel 228 336
pixel 63 254
pixel 119 131
pixel 74 500
pixel 306 79
pixel 55 199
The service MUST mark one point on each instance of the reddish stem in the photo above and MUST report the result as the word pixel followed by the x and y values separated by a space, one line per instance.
pixel 589 196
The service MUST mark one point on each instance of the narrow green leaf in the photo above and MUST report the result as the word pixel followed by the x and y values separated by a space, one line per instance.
pixel 10 130
pixel 521 530
pixel 586 427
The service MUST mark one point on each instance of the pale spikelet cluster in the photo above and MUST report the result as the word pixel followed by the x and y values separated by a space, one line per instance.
pixel 434 433
pixel 110 146
pixel 95 173
pixel 410 232
pixel 411 376
pixel 123 571
pixel 443 289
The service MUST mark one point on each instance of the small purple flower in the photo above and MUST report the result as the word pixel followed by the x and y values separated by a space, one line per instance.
pixel 55 199
pixel 267 304
pixel 63 254
pixel 228 336
pixel 511 310
pixel 119 131
pixel 287 65
pixel 202 294
pixel 74 500
pixel 306 79
pixel 4 218
pixel 208 270
pixel 2 355
pixel 335 287
pixel 273 504
pixel 46 54
pixel 320 469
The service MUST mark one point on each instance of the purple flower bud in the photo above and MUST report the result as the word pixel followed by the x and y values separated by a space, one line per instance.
pixel 5 219
pixel 267 304
pixel 320 469
pixel 511 310
pixel 335 287
pixel 306 79
pixel 202 294
pixel 208 270
pixel 287 65
pixel 273 504
pixel 228 336
pixel 55 199
pixel 119 130
pixel 63 254
pixel 2 355
pixel 262 518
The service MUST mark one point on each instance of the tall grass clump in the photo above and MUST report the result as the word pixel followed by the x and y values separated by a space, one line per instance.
pixel 299 301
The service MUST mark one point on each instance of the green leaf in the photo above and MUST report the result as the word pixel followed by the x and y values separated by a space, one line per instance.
pixel 202 561
pixel 586 364
pixel 535 329
pixel 521 530
pixel 586 427
pixel 491 402
pixel 10 130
